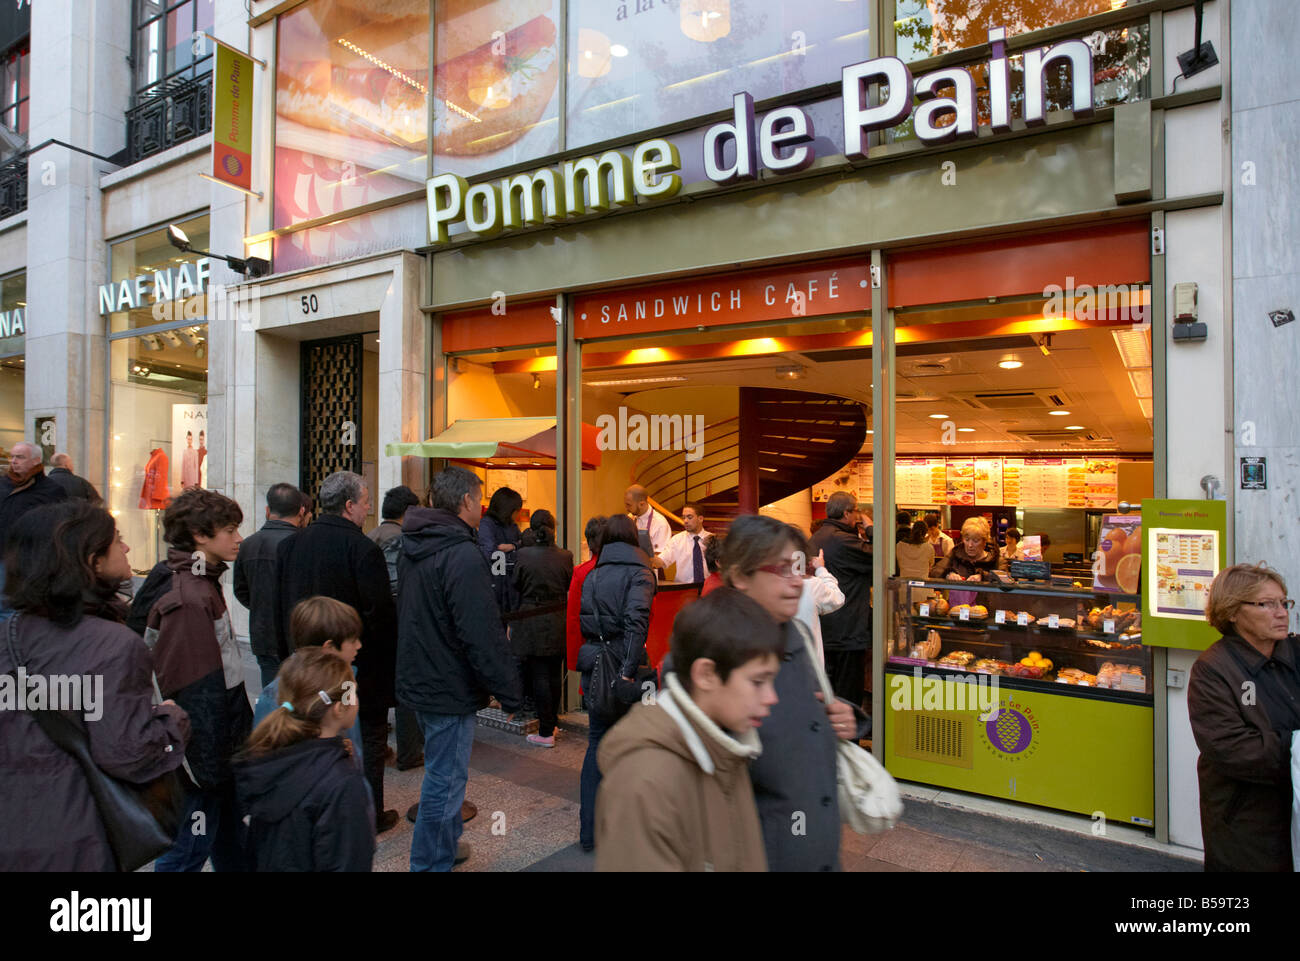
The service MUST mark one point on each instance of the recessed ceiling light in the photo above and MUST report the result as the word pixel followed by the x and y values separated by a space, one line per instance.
pixel 635 380
pixel 938 416
pixel 965 430
pixel 1059 413
pixel 618 50
pixel 1075 427
pixel 1010 364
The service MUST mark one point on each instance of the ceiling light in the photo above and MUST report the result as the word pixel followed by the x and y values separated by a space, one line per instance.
pixel 706 20
pixel 634 381
pixel 794 372
pixel 1148 407
pixel 1142 383
pixel 1045 344
pixel 1058 413
pixel 1134 346
pixel 1075 427
pixel 1010 364
pixel 618 50
pixel 965 430
pixel 938 416
pixel 596 52
pixel 537 381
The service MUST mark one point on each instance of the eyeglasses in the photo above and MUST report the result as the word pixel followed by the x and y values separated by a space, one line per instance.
pixel 784 569
pixel 1272 605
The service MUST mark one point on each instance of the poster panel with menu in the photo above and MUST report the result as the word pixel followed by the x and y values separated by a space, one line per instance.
pixel 1184 548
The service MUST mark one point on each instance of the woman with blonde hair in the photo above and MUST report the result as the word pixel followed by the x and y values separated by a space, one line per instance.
pixel 1244 702
pixel 306 800
pixel 972 559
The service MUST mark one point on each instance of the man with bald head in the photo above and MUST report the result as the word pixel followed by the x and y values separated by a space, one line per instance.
pixel 22 488
pixel 64 474
pixel 637 502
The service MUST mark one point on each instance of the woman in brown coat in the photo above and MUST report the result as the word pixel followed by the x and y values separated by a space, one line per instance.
pixel 65 562
pixel 1244 702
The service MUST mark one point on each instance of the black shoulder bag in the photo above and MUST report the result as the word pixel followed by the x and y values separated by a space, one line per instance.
pixel 141 820
pixel 610 696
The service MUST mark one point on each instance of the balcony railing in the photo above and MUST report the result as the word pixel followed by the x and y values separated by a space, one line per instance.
pixel 13 187
pixel 170 114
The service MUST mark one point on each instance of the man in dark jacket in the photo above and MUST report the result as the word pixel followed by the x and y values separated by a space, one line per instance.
pixel 62 473
pixel 452 654
pixel 333 558
pixel 256 575
pixel 846 633
pixel 23 487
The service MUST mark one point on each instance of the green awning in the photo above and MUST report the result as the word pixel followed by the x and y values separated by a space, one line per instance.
pixel 520 443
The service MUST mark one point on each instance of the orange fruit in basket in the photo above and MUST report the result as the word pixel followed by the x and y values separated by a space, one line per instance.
pixel 1127 571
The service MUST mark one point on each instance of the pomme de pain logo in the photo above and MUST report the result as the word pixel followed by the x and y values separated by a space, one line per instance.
pixel 1012 731
pixel 232 165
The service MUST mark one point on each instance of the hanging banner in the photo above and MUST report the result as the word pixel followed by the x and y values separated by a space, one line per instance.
pixel 232 118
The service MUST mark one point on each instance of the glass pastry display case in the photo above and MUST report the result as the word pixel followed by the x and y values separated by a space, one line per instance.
pixel 1030 692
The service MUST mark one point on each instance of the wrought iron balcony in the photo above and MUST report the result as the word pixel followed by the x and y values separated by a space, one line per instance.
pixel 13 187
pixel 169 114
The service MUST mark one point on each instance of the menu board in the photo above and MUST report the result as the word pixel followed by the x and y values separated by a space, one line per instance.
pixel 1186 562
pixel 988 482
pixel 920 481
pixel 1011 468
pixel 960 486
pixel 1101 484
pixel 1027 482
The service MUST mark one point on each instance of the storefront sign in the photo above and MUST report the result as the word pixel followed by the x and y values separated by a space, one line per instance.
pixel 774 293
pixel 13 323
pixel 161 286
pixel 232 127
pixel 781 141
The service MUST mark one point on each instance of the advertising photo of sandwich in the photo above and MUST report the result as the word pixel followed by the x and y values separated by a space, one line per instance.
pixel 496 75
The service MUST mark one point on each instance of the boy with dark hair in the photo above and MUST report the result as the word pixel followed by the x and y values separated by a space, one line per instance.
pixel 199 666
pixel 676 793
pixel 319 622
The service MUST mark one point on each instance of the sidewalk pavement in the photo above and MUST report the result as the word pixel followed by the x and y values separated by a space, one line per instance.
pixel 527 799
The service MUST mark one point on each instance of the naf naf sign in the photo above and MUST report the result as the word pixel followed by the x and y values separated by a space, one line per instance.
pixel 161 286
pixel 781 141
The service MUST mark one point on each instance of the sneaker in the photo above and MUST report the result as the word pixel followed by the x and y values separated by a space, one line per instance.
pixel 463 852
pixel 541 741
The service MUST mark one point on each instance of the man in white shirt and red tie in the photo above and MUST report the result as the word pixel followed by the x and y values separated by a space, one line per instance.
pixel 647 519
pixel 686 549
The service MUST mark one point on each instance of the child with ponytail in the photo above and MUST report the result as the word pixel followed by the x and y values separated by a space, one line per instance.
pixel 306 800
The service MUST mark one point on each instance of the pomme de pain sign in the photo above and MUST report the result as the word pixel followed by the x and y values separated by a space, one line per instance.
pixel 232 113
pixel 781 140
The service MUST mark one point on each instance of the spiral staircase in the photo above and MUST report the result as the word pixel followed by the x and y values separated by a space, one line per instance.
pixel 793 438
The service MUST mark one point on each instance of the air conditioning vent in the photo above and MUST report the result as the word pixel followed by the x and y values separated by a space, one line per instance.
pixel 940 737
pixel 1043 398
pixel 1059 437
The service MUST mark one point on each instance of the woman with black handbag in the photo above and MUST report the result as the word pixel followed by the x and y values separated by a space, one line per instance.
pixel 64 563
pixel 615 619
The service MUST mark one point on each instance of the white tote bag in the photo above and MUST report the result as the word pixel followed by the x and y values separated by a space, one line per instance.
pixel 1295 800
pixel 868 796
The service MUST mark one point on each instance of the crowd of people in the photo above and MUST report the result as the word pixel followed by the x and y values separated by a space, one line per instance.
pixel 722 757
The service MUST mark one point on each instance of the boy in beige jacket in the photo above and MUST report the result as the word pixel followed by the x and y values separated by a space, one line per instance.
pixel 676 794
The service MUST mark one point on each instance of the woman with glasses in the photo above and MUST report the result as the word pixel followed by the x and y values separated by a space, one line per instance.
pixel 1244 702
pixel 794 778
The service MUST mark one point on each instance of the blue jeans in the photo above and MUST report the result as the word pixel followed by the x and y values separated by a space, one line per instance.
pixel 590 782
pixel 448 740
pixel 270 667
pixel 218 834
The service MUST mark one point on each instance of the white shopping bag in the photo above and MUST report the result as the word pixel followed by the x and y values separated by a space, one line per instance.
pixel 1295 800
